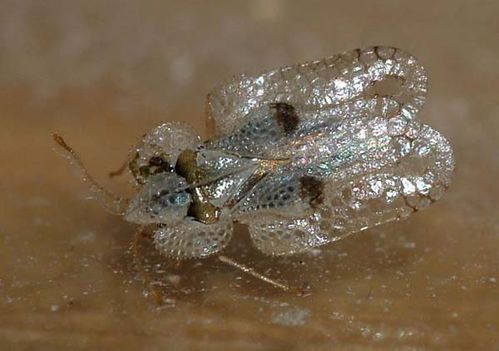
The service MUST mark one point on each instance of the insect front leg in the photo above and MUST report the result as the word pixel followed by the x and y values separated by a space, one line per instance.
pixel 152 280
pixel 120 170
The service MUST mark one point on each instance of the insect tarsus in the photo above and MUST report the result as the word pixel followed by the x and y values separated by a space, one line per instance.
pixel 303 290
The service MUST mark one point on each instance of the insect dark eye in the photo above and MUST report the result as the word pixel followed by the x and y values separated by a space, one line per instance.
pixel 172 199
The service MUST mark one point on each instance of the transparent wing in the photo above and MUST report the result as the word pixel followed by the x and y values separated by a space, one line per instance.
pixel 193 239
pixel 356 74
pixel 159 148
pixel 263 134
pixel 382 172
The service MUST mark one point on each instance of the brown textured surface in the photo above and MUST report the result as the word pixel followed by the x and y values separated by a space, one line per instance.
pixel 101 73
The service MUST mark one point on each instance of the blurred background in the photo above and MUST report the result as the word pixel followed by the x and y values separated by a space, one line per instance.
pixel 101 73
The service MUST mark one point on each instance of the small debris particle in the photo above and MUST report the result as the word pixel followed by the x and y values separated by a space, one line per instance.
pixel 292 317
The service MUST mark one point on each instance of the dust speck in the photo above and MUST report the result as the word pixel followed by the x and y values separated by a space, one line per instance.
pixel 291 317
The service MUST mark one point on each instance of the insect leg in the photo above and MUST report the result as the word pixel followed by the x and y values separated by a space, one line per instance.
pixel 111 202
pixel 229 261
pixel 120 170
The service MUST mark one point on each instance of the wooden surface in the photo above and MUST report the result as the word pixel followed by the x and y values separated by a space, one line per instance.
pixel 102 73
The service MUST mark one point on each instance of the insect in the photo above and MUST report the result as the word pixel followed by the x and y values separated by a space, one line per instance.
pixel 304 155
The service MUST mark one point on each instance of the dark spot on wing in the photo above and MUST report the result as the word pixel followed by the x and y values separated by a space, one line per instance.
pixel 312 189
pixel 285 115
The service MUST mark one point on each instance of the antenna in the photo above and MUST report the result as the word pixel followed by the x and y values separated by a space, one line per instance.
pixel 110 201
